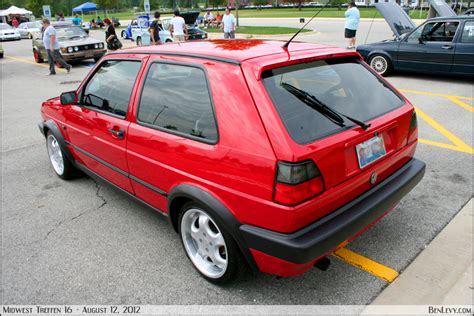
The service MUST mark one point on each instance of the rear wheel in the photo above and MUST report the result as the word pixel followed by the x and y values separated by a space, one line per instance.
pixel 37 56
pixel 209 246
pixel 61 164
pixel 123 34
pixel 168 40
pixel 139 41
pixel 381 64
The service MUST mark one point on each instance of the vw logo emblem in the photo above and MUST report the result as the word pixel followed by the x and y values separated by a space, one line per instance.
pixel 373 177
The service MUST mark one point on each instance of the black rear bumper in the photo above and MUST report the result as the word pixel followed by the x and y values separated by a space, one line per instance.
pixel 326 234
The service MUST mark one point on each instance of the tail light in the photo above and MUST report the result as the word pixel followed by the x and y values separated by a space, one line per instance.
pixel 413 130
pixel 297 182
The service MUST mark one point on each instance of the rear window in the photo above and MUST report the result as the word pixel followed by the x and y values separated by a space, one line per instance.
pixel 345 85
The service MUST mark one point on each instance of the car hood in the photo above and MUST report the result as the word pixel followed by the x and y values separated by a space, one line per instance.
pixel 396 18
pixel 8 31
pixel 78 41
pixel 441 8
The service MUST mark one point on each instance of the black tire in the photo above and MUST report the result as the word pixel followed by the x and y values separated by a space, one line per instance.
pixel 123 34
pixel 37 56
pixel 139 41
pixel 1 55
pixel 381 64
pixel 69 171
pixel 168 41
pixel 236 265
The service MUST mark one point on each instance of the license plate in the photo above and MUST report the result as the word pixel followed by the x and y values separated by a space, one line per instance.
pixel 370 151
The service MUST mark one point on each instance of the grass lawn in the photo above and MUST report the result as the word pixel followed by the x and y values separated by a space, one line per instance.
pixel 276 13
pixel 260 30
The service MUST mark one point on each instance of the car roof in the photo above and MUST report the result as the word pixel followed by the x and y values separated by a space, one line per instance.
pixel 454 17
pixel 235 51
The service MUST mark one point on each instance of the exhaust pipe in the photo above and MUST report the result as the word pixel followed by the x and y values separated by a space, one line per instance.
pixel 323 264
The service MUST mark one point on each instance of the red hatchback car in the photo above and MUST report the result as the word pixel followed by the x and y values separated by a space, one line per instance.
pixel 259 155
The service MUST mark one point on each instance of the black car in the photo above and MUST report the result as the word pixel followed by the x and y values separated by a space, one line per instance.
pixel 443 45
pixel 190 18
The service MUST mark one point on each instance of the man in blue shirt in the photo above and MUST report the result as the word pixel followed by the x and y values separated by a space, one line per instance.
pixel 76 20
pixel 52 48
pixel 352 23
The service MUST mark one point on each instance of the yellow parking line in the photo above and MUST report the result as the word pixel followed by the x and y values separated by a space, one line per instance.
pixel 461 104
pixel 459 145
pixel 22 60
pixel 436 94
pixel 366 264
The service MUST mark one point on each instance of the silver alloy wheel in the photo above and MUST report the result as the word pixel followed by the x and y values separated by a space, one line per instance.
pixel 55 154
pixel 204 243
pixel 380 64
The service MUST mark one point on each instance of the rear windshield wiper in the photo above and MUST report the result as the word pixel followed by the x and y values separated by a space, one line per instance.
pixel 328 112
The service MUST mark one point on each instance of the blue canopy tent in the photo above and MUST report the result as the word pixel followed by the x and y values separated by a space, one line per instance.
pixel 85 7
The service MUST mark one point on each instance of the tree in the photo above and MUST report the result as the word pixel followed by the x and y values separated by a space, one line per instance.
pixel 216 3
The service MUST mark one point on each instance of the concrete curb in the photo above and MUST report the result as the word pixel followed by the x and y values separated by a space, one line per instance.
pixel 442 273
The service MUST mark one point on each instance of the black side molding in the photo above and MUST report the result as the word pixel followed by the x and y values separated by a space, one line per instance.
pixel 326 234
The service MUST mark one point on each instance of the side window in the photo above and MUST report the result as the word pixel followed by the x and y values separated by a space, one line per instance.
pixel 415 36
pixel 468 33
pixel 110 88
pixel 440 31
pixel 177 98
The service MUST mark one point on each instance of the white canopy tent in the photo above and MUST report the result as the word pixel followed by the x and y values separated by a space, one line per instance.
pixel 13 10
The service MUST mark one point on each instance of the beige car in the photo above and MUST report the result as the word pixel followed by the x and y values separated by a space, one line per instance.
pixel 75 44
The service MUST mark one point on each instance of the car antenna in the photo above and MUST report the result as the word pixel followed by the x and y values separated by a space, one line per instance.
pixel 370 27
pixel 321 9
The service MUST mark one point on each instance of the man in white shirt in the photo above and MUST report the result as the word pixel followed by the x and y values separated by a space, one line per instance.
pixel 178 27
pixel 52 48
pixel 208 18
pixel 228 24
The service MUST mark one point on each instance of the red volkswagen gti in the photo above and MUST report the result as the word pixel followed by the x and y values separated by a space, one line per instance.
pixel 261 156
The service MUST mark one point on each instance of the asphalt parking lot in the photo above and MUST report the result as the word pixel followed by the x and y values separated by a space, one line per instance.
pixel 82 242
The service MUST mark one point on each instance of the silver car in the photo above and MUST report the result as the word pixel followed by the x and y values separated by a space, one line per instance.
pixel 8 33
pixel 27 29
pixel 74 43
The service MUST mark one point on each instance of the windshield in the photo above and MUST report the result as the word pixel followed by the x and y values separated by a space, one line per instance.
pixel 345 85
pixel 5 27
pixel 69 32
pixel 33 25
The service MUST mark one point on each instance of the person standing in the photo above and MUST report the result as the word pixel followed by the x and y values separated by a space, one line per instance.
pixel 154 29
pixel 113 43
pixel 228 24
pixel 15 23
pixel 352 23
pixel 52 48
pixel 76 20
pixel 178 27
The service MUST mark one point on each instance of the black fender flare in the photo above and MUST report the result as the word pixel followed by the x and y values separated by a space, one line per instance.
pixel 51 126
pixel 224 217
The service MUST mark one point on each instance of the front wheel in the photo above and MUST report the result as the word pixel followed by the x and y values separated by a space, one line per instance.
pixel 61 164
pixel 210 248
pixel 123 34
pixel 139 41
pixel 381 64
pixel 37 56
pixel 30 36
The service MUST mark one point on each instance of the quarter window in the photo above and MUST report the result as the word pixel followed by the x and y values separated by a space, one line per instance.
pixel 177 98
pixel 110 88
pixel 468 33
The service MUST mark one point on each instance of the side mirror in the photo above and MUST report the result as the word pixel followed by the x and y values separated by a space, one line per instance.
pixel 68 98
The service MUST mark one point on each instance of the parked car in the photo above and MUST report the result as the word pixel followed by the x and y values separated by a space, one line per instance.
pixel 190 18
pixel 8 33
pixel 442 45
pixel 252 162
pixel 75 44
pixel 27 29
pixel 137 31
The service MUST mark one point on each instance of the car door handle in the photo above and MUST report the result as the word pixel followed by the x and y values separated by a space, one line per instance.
pixel 446 47
pixel 120 134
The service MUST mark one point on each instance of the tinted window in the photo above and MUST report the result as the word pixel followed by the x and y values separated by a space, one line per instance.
pixel 440 31
pixel 111 86
pixel 342 84
pixel 177 98
pixel 468 33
